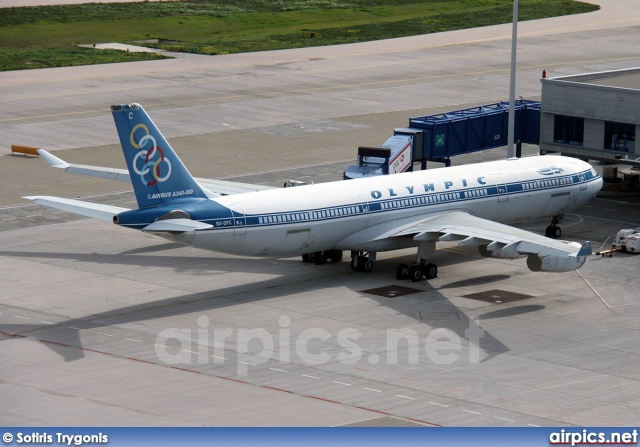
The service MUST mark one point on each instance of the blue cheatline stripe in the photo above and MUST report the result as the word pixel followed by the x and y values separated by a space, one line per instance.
pixel 407 202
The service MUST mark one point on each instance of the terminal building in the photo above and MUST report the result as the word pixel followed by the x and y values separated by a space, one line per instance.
pixel 592 116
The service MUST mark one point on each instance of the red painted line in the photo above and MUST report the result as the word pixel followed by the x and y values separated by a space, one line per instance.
pixel 143 361
pixel 424 422
pixel 93 350
pixel 55 343
pixel 182 332
pixel 58 307
pixel 277 389
pixel 234 380
pixel 12 334
pixel 326 400
pixel 361 369
pixel 18 299
pixel 141 324
pixel 375 411
pixel 187 370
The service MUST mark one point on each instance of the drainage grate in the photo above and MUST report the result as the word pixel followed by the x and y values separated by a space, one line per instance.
pixel 391 291
pixel 439 316
pixel 497 296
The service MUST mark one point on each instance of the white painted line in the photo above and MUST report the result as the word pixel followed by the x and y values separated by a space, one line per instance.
pixel 162 346
pixel 440 405
pixel 76 328
pixel 371 389
pixel 281 370
pixel 11 218
pixel 311 377
pixel 133 339
pixel 108 335
pixel 46 322
pixel 405 397
pixel 24 318
pixel 531 425
pixel 341 383
pixel 469 411
pixel 218 357
pixel 504 419
pixel 247 363
pixel 190 352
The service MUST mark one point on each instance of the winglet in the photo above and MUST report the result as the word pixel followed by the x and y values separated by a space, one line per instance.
pixel 52 160
pixel 585 250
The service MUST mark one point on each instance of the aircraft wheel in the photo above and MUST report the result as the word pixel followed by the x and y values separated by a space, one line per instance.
pixel 557 232
pixel 320 257
pixel 402 271
pixel 415 273
pixel 548 231
pixel 306 258
pixel 430 271
pixel 335 255
pixel 364 265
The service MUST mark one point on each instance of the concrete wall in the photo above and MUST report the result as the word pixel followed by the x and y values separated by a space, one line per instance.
pixel 570 96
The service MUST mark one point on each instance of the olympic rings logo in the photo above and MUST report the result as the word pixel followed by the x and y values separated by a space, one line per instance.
pixel 148 165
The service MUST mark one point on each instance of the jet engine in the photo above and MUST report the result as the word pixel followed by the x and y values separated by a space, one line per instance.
pixel 554 263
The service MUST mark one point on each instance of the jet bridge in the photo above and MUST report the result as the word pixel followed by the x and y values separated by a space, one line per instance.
pixel 441 136
pixel 474 129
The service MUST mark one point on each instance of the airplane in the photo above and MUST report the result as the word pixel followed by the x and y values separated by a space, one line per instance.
pixel 471 204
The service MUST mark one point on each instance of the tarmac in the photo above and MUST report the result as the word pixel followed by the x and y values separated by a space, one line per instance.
pixel 112 327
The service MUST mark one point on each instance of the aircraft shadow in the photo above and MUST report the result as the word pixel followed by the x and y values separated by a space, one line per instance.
pixel 230 296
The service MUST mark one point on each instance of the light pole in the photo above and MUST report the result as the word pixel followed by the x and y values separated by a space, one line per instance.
pixel 512 82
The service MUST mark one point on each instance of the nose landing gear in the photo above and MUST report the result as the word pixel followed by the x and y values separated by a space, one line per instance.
pixel 554 231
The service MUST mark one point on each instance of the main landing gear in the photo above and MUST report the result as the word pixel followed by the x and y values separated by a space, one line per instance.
pixel 417 270
pixel 362 262
pixel 321 257
pixel 554 231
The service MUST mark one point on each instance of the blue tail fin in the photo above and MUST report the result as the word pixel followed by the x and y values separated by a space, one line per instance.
pixel 157 174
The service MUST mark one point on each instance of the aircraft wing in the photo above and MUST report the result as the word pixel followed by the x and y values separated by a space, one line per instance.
pixel 89 209
pixel 472 230
pixel 217 187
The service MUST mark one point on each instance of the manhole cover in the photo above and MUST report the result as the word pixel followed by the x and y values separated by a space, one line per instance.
pixel 391 291
pixel 497 296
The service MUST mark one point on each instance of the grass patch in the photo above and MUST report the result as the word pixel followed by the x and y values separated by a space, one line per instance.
pixel 51 34
pixel 19 58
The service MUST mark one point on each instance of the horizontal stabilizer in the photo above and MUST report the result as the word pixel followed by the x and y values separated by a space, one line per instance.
pixel 52 160
pixel 181 225
pixel 213 187
pixel 89 209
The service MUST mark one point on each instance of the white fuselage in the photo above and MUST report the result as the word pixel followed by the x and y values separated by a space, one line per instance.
pixel 349 215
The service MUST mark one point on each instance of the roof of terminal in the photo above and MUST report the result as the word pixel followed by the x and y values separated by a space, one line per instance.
pixel 629 78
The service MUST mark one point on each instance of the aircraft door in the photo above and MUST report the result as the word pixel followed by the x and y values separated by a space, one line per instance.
pixel 583 183
pixel 365 210
pixel 501 187
pixel 239 221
